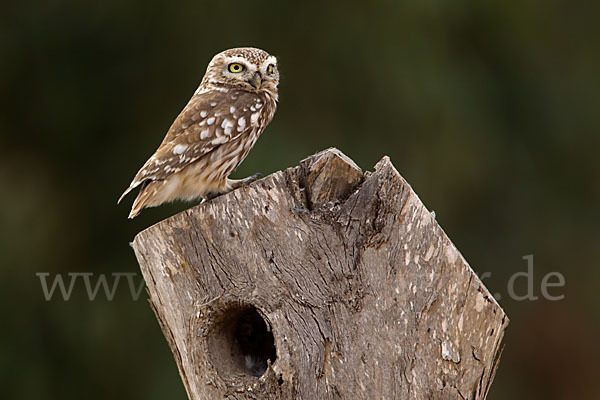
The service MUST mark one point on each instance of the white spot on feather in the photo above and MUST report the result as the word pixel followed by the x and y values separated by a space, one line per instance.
pixel 241 124
pixel 232 109
pixel 227 125
pixel 254 118
pixel 210 121
pixel 204 134
pixel 179 149
pixel 203 114
pixel 226 122
pixel 219 140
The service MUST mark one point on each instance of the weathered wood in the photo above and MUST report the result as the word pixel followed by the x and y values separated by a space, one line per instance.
pixel 364 294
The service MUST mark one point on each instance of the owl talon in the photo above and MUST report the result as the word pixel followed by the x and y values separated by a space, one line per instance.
pixel 248 180
pixel 232 184
pixel 251 178
pixel 238 183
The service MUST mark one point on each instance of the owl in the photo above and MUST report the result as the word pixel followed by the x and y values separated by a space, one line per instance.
pixel 214 132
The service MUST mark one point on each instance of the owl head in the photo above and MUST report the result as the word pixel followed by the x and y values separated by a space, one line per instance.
pixel 244 68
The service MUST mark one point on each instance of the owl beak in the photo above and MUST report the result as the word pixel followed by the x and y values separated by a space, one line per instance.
pixel 256 80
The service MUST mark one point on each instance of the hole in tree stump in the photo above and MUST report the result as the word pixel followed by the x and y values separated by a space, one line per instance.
pixel 241 342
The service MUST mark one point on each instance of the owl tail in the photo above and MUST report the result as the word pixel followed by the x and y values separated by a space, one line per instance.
pixel 144 197
pixel 129 189
pixel 139 204
pixel 136 209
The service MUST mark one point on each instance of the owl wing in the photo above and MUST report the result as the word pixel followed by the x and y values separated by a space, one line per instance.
pixel 207 121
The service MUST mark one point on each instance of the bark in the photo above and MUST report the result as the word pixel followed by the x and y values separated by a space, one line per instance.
pixel 339 283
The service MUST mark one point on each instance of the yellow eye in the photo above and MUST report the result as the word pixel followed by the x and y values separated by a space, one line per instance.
pixel 270 68
pixel 235 67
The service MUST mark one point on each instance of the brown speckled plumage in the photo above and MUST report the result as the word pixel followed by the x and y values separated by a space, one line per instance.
pixel 214 132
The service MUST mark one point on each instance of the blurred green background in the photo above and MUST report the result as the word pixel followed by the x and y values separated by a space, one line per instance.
pixel 491 111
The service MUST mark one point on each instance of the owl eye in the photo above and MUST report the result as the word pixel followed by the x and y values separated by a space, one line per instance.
pixel 235 67
pixel 270 68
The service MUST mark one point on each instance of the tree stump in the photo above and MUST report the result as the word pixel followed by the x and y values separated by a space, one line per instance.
pixel 320 282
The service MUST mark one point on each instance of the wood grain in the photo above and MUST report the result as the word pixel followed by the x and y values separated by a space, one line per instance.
pixel 363 292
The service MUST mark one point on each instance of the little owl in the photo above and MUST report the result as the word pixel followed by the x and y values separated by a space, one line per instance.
pixel 214 133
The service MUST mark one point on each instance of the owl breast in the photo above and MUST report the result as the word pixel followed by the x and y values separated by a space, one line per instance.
pixel 249 119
